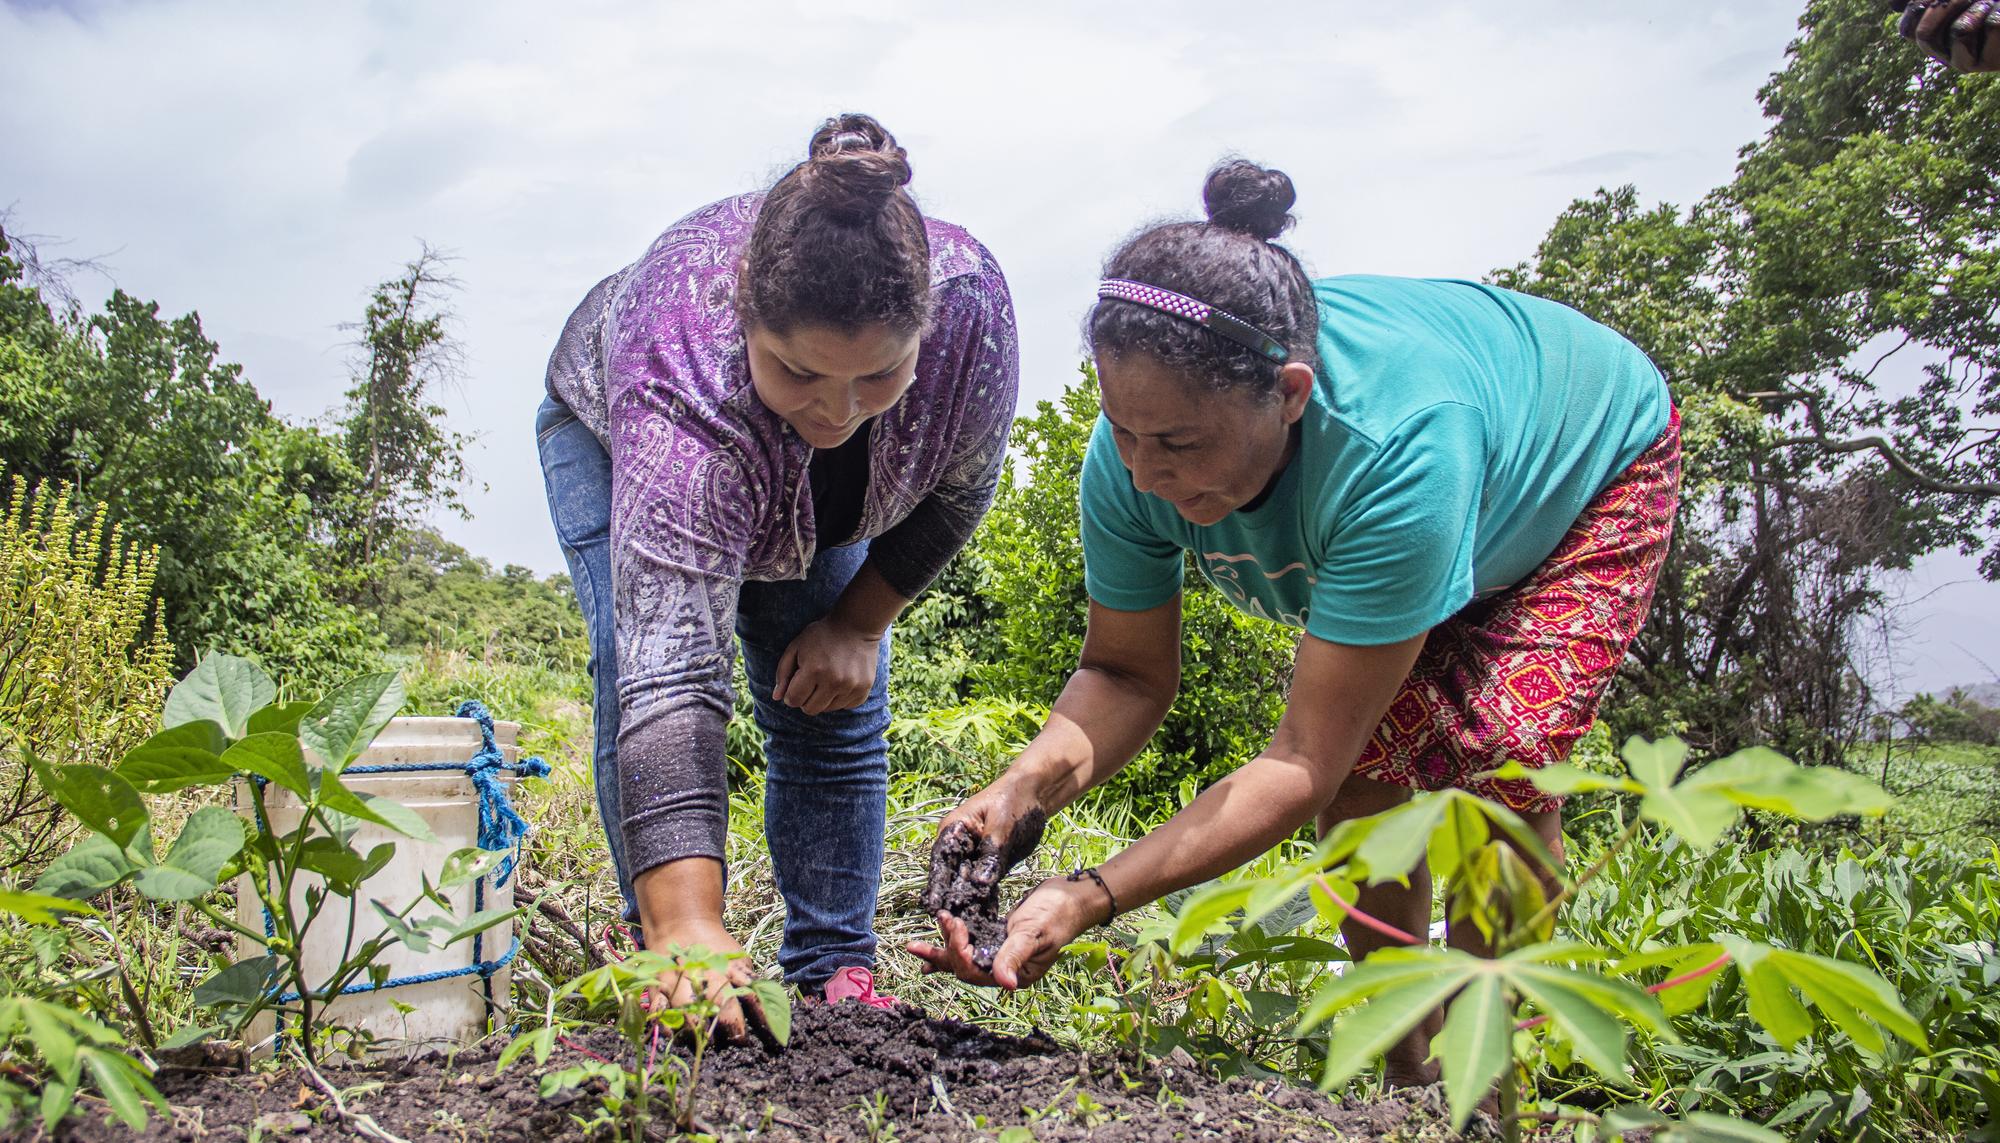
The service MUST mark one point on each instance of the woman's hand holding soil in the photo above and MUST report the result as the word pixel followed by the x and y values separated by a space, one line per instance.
pixel 977 843
pixel 1056 913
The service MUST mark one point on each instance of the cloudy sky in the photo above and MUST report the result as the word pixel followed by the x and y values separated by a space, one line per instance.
pixel 266 164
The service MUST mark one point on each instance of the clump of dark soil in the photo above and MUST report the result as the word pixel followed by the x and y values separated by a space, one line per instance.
pixel 851 1073
pixel 966 871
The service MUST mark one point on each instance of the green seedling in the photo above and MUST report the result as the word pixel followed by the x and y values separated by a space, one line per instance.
pixel 659 1081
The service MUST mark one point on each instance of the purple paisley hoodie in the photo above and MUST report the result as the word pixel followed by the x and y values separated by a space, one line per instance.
pixel 709 488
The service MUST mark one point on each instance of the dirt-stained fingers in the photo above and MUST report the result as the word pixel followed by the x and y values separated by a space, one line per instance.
pixel 955 956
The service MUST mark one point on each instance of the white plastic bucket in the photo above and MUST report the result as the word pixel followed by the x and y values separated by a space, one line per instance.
pixel 453 1010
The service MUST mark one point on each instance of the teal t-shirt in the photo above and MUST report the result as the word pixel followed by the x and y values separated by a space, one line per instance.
pixel 1456 431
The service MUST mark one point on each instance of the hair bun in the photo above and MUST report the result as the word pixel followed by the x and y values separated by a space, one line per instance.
pixel 1242 196
pixel 853 167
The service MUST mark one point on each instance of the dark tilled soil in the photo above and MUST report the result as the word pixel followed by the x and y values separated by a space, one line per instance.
pixel 935 1080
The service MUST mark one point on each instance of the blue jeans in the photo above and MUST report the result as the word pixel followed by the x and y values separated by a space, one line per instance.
pixel 826 777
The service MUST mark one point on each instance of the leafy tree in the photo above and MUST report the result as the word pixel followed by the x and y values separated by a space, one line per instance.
pixel 1860 231
pixel 437 594
pixel 138 414
pixel 392 426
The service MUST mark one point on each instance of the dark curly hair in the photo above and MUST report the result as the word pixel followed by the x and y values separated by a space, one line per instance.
pixel 838 241
pixel 1230 262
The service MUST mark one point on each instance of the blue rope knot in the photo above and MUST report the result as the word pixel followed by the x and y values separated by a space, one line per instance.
pixel 500 826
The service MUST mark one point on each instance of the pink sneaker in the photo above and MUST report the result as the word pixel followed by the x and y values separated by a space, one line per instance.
pixel 856 983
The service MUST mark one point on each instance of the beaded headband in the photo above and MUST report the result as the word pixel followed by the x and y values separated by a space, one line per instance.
pixel 1218 322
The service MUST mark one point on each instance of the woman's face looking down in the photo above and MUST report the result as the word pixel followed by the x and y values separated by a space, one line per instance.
pixel 826 382
pixel 1206 451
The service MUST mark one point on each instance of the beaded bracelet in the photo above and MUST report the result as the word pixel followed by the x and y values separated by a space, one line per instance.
pixel 1081 873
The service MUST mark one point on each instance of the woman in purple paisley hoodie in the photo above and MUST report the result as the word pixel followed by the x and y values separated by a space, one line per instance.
pixel 777 425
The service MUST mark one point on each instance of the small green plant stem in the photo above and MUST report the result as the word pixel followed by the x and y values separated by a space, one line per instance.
pixel 1353 910
pixel 132 1000
pixel 1510 1109
pixel 1548 912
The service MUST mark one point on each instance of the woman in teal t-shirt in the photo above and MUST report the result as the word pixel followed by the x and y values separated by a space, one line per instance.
pixel 1461 494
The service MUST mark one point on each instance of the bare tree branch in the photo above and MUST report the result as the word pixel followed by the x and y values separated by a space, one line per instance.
pixel 1897 461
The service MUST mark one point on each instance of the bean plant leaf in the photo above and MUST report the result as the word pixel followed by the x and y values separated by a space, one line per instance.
pixel 90 867
pixel 211 837
pixel 279 718
pixel 1617 997
pixel 477 923
pixel 1701 814
pixel 341 865
pixel 1764 779
pixel 1848 996
pixel 1401 838
pixel 1566 779
pixel 1285 907
pixel 541 1041
pixel 96 797
pixel 1461 829
pixel 374 808
pixel 341 725
pixel 223 689
pixel 245 982
pixel 1680 961
pixel 176 758
pixel 275 756
pixel 1655 765
pixel 776 1007
pixel 467 865
pixel 1475 1044
pixel 1592 1029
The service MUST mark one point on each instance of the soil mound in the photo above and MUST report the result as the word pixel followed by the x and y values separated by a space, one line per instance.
pixel 851 1073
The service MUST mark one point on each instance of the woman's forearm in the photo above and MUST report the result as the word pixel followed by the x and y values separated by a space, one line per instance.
pixel 1100 722
pixel 1233 822
pixel 1339 694
pixel 869 604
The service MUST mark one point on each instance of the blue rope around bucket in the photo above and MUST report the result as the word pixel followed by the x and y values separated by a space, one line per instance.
pixel 500 828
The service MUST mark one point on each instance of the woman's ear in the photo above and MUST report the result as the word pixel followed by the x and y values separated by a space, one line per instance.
pixel 1295 386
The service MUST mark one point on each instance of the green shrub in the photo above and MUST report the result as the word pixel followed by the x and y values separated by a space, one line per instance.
pixel 84 663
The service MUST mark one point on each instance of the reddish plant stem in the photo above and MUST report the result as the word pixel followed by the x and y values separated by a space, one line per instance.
pixel 1651 990
pixel 573 1046
pixel 1380 926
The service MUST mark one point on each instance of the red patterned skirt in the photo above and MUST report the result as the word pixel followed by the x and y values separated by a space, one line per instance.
pixel 1519 675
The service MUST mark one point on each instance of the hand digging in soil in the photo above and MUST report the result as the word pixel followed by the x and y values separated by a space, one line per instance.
pixel 966 871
